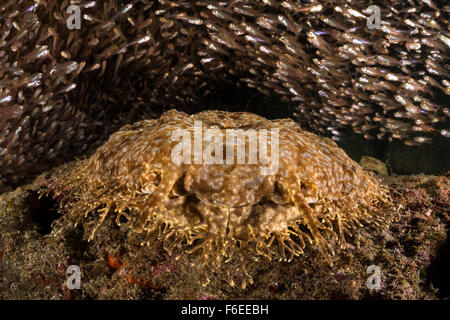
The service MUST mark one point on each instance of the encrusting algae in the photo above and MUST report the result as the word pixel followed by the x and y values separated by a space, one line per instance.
pixel 224 210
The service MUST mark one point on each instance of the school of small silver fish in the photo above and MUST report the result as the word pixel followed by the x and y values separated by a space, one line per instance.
pixel 61 89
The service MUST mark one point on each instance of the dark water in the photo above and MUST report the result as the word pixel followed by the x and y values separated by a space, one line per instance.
pixel 430 158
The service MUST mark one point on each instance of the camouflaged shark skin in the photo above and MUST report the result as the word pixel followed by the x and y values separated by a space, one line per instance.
pixel 227 210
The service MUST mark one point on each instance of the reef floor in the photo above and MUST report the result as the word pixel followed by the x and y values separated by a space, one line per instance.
pixel 412 255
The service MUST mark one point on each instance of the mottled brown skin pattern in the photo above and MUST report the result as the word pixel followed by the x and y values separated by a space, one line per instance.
pixel 229 210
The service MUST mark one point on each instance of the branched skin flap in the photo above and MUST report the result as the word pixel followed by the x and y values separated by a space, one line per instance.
pixel 229 210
